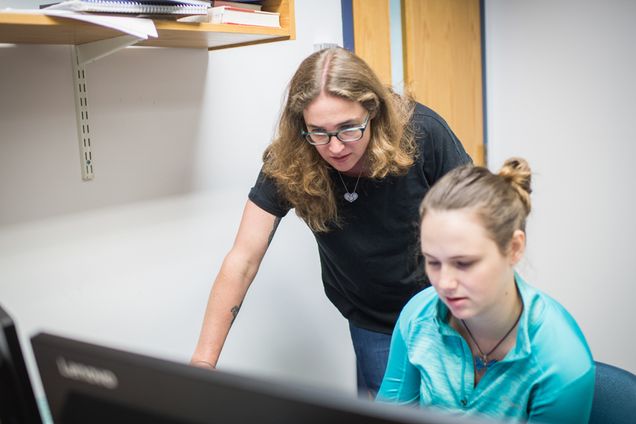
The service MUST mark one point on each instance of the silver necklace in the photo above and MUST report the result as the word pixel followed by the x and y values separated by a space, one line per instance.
pixel 481 361
pixel 350 197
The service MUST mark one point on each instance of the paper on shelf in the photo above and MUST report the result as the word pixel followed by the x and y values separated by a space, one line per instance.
pixel 138 27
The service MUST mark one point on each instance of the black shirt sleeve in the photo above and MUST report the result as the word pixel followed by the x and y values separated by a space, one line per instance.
pixel 266 196
pixel 440 149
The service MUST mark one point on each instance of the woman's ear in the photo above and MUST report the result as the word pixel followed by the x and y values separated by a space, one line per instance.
pixel 517 247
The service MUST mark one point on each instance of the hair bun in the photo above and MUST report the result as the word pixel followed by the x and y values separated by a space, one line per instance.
pixel 518 173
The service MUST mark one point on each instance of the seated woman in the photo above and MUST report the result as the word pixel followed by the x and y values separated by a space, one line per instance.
pixel 482 341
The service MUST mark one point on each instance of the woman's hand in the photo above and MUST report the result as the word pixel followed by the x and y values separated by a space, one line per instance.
pixel 202 364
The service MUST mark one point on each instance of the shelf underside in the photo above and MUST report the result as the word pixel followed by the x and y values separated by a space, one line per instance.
pixel 40 29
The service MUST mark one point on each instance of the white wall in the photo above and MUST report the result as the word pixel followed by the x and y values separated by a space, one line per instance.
pixel 128 259
pixel 561 92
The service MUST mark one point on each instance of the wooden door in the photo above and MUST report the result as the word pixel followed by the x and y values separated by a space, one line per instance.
pixel 442 60
pixel 371 36
pixel 443 64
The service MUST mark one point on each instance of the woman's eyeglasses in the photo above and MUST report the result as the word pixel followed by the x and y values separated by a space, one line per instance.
pixel 346 135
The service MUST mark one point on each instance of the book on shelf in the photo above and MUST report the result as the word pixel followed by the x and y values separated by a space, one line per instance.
pixel 254 5
pixel 238 16
pixel 241 16
pixel 136 7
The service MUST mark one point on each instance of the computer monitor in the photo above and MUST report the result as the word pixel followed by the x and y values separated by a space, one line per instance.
pixel 88 383
pixel 17 400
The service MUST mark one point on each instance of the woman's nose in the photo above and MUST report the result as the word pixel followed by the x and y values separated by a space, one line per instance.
pixel 335 145
pixel 447 279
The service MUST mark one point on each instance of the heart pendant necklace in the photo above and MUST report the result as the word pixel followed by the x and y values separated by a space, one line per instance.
pixel 350 197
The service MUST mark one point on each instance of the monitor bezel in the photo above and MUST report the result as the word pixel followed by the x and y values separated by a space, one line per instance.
pixel 20 404
pixel 180 393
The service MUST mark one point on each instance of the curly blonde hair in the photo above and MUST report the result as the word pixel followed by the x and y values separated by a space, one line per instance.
pixel 301 175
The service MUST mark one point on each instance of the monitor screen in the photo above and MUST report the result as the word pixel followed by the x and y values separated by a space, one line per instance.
pixel 17 400
pixel 88 383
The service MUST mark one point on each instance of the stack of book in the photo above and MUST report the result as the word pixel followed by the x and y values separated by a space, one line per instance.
pixel 238 12
pixel 135 7
pixel 246 4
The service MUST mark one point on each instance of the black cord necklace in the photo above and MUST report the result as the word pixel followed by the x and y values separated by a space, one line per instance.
pixel 481 361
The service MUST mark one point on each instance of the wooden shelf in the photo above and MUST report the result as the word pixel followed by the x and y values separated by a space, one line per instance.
pixel 25 28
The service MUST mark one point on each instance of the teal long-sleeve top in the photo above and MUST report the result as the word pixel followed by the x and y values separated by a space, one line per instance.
pixel 547 377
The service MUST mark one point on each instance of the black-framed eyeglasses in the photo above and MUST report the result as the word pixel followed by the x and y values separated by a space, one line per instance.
pixel 346 135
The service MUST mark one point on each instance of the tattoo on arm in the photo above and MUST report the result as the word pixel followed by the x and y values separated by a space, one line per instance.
pixel 235 310
pixel 274 227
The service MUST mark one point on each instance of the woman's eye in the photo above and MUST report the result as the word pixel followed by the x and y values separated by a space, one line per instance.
pixel 464 265
pixel 432 264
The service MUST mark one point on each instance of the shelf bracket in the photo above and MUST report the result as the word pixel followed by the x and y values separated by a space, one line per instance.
pixel 82 55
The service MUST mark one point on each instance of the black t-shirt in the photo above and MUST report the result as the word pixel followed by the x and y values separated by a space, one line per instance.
pixel 372 265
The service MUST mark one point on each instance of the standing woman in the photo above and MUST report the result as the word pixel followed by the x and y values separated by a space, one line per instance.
pixel 354 160
pixel 481 340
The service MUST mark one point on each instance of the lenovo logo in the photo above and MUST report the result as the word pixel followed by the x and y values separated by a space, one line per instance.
pixel 87 373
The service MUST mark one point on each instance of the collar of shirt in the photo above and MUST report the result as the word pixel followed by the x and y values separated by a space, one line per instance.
pixel 522 348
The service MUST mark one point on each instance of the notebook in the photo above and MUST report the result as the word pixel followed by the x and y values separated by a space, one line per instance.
pixel 166 7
